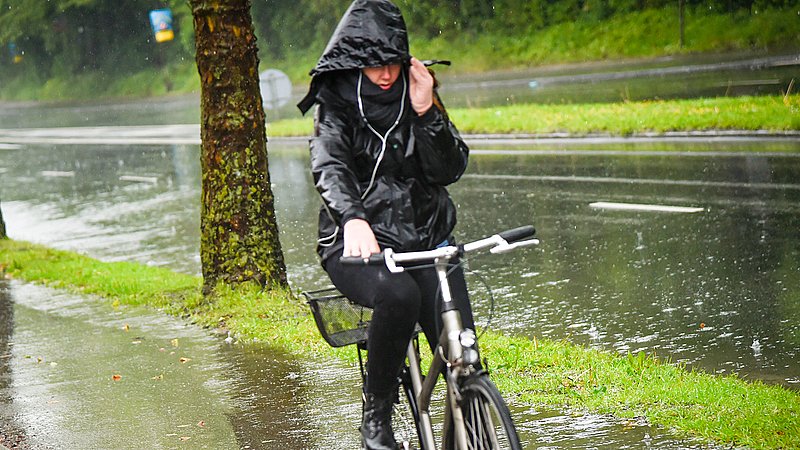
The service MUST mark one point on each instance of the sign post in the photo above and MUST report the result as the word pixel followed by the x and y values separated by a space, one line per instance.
pixel 276 89
pixel 15 53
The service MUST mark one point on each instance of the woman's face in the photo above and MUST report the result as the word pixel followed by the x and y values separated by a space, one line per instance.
pixel 383 76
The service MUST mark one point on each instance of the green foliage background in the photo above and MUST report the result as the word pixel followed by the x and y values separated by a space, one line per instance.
pixel 89 48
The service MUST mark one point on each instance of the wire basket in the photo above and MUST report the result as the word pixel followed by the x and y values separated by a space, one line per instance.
pixel 340 321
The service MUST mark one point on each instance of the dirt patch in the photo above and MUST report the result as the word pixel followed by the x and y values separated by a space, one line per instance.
pixel 12 438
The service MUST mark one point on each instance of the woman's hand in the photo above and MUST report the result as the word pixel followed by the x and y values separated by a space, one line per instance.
pixel 359 240
pixel 421 90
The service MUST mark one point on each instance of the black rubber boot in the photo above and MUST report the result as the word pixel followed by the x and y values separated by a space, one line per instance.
pixel 376 425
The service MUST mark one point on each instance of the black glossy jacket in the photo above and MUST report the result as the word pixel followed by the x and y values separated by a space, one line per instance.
pixel 407 205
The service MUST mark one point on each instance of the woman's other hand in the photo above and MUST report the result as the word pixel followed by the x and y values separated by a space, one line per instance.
pixel 421 90
pixel 359 240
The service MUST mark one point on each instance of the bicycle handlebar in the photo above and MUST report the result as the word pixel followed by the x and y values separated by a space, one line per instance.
pixel 373 259
pixel 517 234
pixel 498 243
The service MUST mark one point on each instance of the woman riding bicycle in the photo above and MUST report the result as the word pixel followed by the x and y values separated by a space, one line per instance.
pixel 381 156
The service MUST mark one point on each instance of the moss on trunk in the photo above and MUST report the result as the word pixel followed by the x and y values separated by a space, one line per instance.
pixel 239 232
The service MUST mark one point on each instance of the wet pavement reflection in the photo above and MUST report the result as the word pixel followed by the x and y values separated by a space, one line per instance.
pixel 81 373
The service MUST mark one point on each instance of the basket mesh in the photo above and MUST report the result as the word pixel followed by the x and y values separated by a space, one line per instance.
pixel 340 321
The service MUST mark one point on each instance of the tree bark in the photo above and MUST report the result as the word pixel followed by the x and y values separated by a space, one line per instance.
pixel 3 234
pixel 239 232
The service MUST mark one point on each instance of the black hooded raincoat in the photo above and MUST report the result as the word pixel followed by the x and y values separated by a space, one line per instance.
pixel 391 174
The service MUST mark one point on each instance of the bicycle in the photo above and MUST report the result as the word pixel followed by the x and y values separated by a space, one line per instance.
pixel 475 414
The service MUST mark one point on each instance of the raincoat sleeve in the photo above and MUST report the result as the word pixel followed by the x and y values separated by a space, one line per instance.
pixel 442 153
pixel 331 167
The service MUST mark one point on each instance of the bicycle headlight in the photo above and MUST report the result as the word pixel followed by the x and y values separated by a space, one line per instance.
pixel 470 353
pixel 467 338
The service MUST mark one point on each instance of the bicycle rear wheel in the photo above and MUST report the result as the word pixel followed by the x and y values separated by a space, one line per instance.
pixel 405 416
pixel 487 418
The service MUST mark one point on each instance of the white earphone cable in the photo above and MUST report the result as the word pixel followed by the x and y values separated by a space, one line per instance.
pixel 328 241
pixel 385 137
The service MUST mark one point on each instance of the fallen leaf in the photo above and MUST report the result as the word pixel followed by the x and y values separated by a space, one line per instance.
pixel 116 377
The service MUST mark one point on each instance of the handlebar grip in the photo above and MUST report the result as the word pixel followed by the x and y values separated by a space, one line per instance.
pixel 374 259
pixel 518 234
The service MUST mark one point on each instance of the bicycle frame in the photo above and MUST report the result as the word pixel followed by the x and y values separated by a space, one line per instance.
pixel 449 346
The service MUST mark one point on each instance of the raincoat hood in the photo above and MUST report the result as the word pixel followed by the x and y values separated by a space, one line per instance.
pixel 371 33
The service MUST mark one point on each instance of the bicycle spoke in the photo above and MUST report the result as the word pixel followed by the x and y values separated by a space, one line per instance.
pixel 403 425
pixel 488 423
pixel 481 425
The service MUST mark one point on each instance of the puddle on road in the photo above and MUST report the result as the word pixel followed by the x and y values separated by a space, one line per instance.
pixel 78 373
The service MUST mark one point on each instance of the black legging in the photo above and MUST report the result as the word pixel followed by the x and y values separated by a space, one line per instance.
pixel 398 301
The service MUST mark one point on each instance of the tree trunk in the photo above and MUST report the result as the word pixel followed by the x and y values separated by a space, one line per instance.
pixel 239 232
pixel 3 234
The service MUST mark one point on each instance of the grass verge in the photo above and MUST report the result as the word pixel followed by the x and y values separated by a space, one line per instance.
pixel 724 410
pixel 763 113
pixel 641 34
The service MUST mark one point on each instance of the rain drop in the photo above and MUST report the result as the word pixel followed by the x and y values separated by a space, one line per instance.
pixel 756 346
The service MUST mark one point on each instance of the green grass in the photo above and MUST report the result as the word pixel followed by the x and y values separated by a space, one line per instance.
pixel 725 410
pixel 642 34
pixel 637 35
pixel 770 113
pixel 715 408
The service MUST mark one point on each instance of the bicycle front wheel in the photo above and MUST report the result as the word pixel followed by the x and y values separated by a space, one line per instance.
pixel 486 416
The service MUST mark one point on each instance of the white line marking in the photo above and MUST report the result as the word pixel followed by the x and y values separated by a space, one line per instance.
pixel 138 179
pixel 643 207
pixel 57 173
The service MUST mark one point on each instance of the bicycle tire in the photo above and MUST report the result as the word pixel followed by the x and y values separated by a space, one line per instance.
pixel 488 420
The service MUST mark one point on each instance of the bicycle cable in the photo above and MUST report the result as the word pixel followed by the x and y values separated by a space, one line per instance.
pixel 481 279
pixel 489 293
